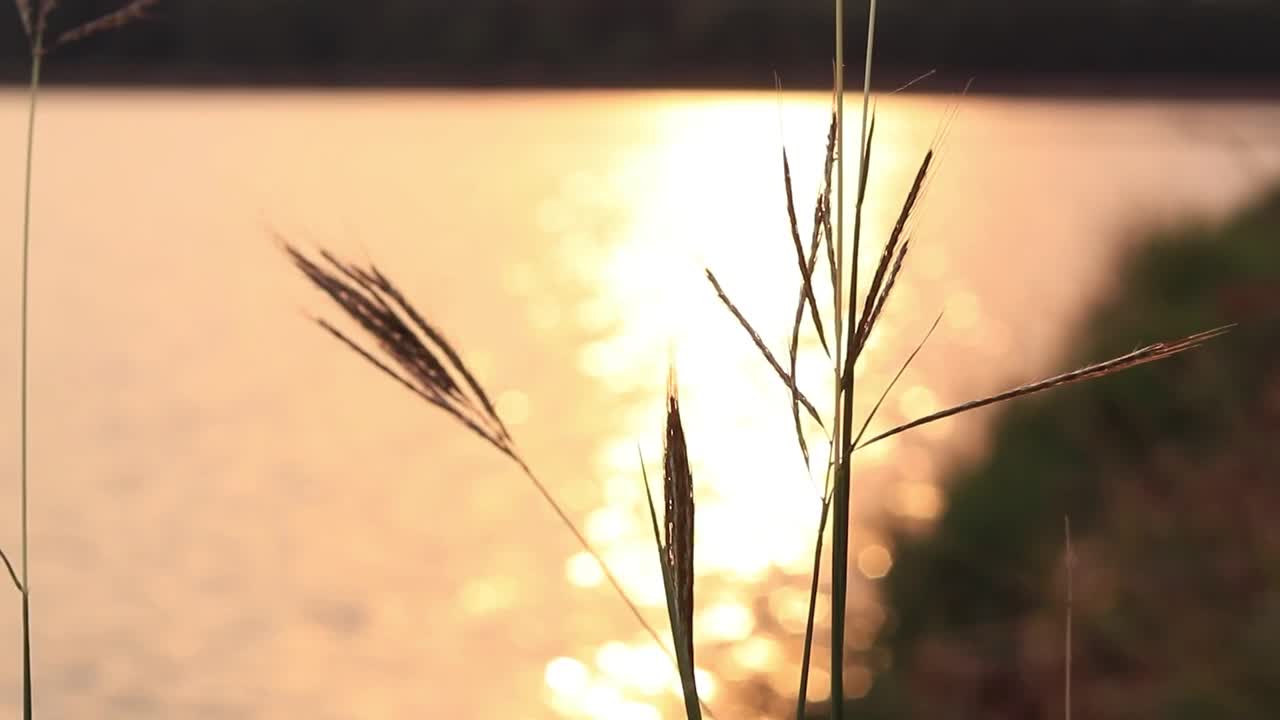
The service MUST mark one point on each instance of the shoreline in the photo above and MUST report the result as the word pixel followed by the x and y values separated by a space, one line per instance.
pixel 1137 85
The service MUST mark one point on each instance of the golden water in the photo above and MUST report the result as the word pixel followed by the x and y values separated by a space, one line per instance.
pixel 235 518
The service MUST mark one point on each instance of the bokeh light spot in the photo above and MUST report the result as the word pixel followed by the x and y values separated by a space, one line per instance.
pixel 583 570
pixel 874 561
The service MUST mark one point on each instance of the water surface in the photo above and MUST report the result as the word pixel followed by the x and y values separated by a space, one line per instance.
pixel 234 518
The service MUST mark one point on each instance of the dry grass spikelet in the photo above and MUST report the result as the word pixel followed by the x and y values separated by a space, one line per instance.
pixel 35 22
pixel 678 490
pixel 1141 356
pixel 135 10
pixel 413 352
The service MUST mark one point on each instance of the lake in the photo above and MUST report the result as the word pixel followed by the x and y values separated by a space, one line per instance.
pixel 233 517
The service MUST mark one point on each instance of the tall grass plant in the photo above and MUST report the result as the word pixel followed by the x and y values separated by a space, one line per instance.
pixel 35 24
pixel 410 350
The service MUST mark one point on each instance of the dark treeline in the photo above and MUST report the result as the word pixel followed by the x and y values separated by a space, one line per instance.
pixel 654 41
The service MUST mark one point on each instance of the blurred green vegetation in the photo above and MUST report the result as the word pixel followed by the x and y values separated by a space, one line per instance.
pixel 578 40
pixel 1171 476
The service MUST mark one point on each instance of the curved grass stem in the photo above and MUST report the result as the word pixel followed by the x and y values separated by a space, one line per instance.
pixel 37 55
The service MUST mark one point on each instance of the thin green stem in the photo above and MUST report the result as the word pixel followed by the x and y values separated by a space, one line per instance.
pixel 839 204
pixel 813 605
pixel 26 294
pixel 840 549
pixel 845 369
pixel 26 656
pixel 590 549
pixel 840 521
pixel 13 575
pixel 37 55
pixel 866 78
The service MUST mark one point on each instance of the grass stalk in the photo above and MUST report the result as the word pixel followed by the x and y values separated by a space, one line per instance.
pixel 13 574
pixel 803 692
pixel 37 56
pixel 844 392
pixel 35 22
pixel 840 569
pixel 839 534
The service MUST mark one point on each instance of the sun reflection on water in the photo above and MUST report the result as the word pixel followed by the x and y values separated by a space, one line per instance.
pixel 708 194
